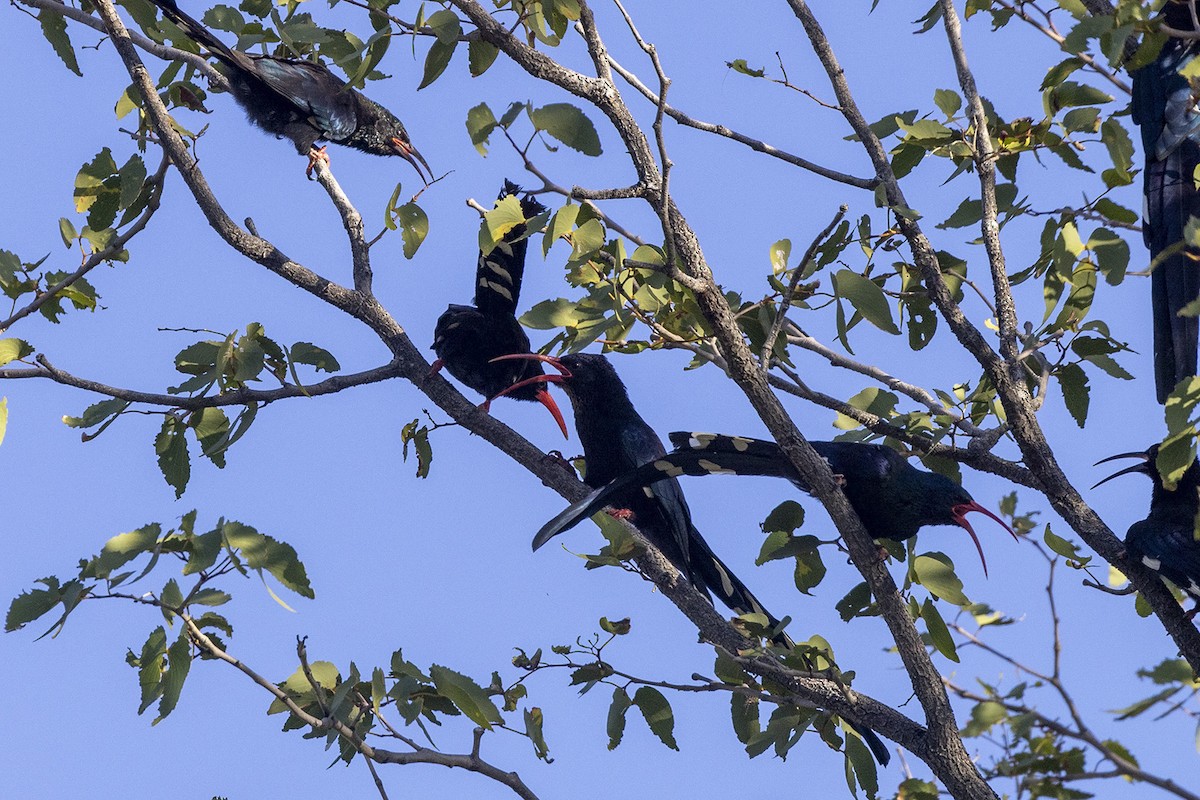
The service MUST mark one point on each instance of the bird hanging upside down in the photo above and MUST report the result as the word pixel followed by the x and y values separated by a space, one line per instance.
pixel 303 101
pixel 468 338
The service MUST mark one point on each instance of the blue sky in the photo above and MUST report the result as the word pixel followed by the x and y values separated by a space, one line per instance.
pixel 441 567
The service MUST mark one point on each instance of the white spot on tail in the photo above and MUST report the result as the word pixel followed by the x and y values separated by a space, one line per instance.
pixel 1152 563
pixel 669 468
pixel 714 469
pixel 699 441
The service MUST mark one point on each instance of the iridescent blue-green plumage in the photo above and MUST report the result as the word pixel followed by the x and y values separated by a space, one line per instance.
pixel 1164 107
pixel 302 100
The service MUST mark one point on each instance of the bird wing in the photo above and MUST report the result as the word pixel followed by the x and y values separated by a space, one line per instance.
pixel 324 97
pixel 1170 550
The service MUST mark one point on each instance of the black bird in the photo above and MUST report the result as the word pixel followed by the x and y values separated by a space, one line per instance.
pixel 1165 541
pixel 892 498
pixel 1164 107
pixel 467 338
pixel 303 101
pixel 617 441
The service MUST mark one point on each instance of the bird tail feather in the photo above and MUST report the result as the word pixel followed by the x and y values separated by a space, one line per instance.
pixel 499 272
pixel 202 35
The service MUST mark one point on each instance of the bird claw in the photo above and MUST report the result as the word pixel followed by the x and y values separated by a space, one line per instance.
pixel 316 156
pixel 558 458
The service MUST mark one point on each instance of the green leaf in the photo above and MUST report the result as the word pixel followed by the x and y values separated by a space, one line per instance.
pixel 3 418
pixel 172 451
pixel 419 438
pixel 263 552
pixel 121 549
pixel 1076 394
pixel 210 597
pixel 499 221
pixel 948 101
pixel 617 628
pixel 28 606
pixel 860 760
pixel 150 667
pixel 569 125
pixel 14 349
pixel 317 357
pixel 935 572
pixel 1063 547
pixel 787 516
pixel 740 65
pixel 746 722
pixel 983 716
pixel 658 714
pixel 66 229
pixel 616 717
pixel 939 634
pixel 468 696
pixel 414 227
pixel 480 124
pixel 179 662
pixel 480 56
pixel 867 298
pixel 437 60
pixel 533 730
pixel 54 28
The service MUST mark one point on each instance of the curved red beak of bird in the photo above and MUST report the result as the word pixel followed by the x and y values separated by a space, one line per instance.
pixel 409 153
pixel 543 394
pixel 960 511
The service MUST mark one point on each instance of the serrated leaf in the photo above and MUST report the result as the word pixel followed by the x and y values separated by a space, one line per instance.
pixel 317 357
pixel 54 28
pixel 123 548
pixel 179 663
pixel 616 717
pixel 30 605
pixel 467 695
pixel 14 349
pixel 173 460
pixel 1076 394
pixel 658 714
pixel 263 552
pixel 569 125
pixel 414 227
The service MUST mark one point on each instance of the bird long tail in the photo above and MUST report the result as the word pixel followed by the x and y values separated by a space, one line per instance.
pixel 499 273
pixel 202 35
pixel 1171 200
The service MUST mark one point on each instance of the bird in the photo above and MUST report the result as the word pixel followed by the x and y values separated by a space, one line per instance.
pixel 1165 541
pixel 892 498
pixel 467 338
pixel 616 441
pixel 303 101
pixel 1165 109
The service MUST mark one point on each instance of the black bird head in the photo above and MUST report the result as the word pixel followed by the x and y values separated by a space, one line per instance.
pixel 583 376
pixel 1146 466
pixel 380 132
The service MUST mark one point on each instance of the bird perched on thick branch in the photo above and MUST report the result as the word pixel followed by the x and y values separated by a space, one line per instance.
pixel 1165 541
pixel 468 338
pixel 1164 107
pixel 617 441
pixel 892 498
pixel 302 100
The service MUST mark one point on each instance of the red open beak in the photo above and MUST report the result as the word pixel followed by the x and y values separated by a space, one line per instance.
pixel 960 511
pixel 1142 468
pixel 409 153
pixel 543 395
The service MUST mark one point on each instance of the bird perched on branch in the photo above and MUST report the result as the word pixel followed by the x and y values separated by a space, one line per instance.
pixel 302 100
pixel 1165 541
pixel 892 498
pixel 467 338
pixel 1165 108
pixel 616 442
